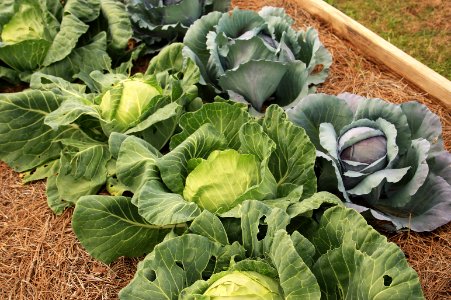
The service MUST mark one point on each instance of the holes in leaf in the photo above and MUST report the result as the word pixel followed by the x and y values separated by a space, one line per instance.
pixel 150 275
pixel 387 280
pixel 127 194
pixel 180 264
pixel 262 229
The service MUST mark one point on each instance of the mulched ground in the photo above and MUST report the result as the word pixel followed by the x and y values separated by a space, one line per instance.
pixel 40 257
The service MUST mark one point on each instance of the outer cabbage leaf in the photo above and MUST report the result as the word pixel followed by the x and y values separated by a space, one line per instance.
pixel 423 124
pixel 418 214
pixel 27 142
pixel 82 61
pixel 227 119
pixel 71 29
pixel 136 163
pixel 111 227
pixel 310 113
pixel 83 170
pixel 18 56
pixel 160 206
pixel 251 80
pixel 352 249
pixel 86 11
pixel 191 266
pixel 119 25
pixel 293 159
pixel 286 266
pixel 296 279
pixel 210 226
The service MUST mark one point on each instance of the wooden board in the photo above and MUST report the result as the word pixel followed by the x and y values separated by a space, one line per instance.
pixel 382 51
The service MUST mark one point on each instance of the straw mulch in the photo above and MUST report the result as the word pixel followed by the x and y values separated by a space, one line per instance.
pixel 40 257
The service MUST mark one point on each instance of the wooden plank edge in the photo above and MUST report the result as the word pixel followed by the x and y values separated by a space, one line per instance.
pixel 381 50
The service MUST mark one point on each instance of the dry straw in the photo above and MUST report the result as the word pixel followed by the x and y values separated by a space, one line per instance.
pixel 40 257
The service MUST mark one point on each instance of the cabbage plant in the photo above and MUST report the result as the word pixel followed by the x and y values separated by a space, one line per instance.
pixel 221 157
pixel 60 130
pixel 160 22
pixel 387 160
pixel 332 261
pixel 60 40
pixel 257 57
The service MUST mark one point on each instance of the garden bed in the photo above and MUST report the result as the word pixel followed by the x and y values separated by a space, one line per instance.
pixel 42 259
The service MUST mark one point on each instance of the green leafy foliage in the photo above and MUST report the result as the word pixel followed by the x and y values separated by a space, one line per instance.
pixel 61 122
pixel 202 177
pixel 287 266
pixel 53 39
pixel 158 23
pixel 229 208
pixel 387 160
pixel 257 57
pixel 118 215
pixel 203 171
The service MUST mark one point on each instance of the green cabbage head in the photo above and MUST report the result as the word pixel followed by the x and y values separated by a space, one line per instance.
pixel 26 24
pixel 387 160
pixel 204 185
pixel 246 285
pixel 128 102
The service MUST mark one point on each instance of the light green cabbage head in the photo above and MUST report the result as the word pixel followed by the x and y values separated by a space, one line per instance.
pixel 244 285
pixel 26 24
pixel 126 103
pixel 218 182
